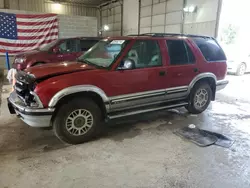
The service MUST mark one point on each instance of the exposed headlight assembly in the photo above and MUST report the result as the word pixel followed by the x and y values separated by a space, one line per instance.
pixel 20 60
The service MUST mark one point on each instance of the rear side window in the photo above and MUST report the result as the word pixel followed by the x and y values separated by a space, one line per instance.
pixel 210 49
pixel 85 45
pixel 69 46
pixel 180 53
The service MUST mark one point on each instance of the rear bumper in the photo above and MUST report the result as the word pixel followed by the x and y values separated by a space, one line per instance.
pixel 34 117
pixel 221 84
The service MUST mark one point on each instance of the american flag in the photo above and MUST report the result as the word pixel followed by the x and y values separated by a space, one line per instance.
pixel 24 32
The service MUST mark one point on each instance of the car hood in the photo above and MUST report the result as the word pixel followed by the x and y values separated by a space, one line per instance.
pixel 55 69
pixel 28 53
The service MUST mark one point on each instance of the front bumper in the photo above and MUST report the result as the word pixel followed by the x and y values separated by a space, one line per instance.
pixel 221 84
pixel 34 117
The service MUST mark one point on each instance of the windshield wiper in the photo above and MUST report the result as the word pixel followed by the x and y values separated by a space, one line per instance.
pixel 89 63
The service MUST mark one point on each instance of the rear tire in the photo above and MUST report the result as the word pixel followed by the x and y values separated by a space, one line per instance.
pixel 77 121
pixel 241 69
pixel 200 97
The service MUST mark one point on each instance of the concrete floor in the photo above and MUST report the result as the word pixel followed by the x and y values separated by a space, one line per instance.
pixel 139 152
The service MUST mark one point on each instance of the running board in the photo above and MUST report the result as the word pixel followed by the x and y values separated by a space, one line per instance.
pixel 130 113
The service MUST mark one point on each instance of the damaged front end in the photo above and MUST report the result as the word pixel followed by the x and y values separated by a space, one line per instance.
pixel 24 102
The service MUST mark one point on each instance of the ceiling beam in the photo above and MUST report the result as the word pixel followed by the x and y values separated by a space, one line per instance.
pixel 71 3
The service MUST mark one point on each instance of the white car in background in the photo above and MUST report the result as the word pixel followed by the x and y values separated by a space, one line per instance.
pixel 238 66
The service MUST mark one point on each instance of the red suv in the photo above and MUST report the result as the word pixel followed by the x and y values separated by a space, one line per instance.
pixel 59 50
pixel 118 77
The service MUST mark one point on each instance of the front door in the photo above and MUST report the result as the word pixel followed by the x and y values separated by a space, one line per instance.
pixel 145 83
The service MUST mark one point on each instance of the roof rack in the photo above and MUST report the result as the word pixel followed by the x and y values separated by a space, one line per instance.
pixel 170 35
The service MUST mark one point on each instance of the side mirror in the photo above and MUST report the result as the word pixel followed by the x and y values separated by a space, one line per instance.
pixel 127 65
pixel 56 50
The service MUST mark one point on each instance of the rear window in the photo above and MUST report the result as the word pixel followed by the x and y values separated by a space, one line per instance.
pixel 210 49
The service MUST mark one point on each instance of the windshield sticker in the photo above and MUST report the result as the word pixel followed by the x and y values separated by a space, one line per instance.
pixel 117 42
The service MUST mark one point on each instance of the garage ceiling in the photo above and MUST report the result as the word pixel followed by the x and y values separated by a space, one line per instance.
pixel 85 2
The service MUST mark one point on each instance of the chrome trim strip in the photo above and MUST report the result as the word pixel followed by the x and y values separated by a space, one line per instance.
pixel 145 94
pixel 76 89
pixel 176 89
pixel 150 104
pixel 139 94
pixel 146 110
pixel 222 82
pixel 138 97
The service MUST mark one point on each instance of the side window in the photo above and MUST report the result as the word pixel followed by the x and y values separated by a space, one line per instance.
pixel 210 49
pixel 85 45
pixel 145 53
pixel 180 53
pixel 71 45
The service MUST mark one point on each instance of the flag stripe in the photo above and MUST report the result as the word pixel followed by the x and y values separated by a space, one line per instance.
pixel 23 43
pixel 37 37
pixel 35 15
pixel 42 29
pixel 15 50
pixel 36 19
pixel 35 23
pixel 37 33
pixel 36 27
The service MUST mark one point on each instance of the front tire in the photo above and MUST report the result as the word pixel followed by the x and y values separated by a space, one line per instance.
pixel 77 121
pixel 200 97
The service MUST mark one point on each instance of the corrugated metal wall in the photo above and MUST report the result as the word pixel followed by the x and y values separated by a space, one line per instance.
pixel 161 16
pixel 111 15
pixel 167 16
pixel 48 7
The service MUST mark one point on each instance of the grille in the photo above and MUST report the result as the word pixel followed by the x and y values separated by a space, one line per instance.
pixel 24 84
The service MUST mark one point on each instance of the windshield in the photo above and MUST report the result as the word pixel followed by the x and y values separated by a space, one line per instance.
pixel 48 46
pixel 103 53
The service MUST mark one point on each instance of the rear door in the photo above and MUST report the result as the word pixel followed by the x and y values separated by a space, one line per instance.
pixel 182 65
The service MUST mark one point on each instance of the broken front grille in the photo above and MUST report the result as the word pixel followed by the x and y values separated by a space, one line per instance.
pixel 24 85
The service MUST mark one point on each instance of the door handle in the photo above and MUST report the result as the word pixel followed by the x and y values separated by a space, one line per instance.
pixel 196 70
pixel 162 73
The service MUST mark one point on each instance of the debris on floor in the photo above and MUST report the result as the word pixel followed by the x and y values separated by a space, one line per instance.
pixel 204 138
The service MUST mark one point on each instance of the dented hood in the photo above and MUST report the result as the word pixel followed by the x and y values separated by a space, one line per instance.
pixel 56 69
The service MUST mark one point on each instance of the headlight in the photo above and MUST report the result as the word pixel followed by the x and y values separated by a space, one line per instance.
pixel 20 60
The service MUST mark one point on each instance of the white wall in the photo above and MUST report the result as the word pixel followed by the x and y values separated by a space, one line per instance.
pixel 168 16
pixel 111 15
pixel 161 16
pixel 70 26
pixel 48 7
pixel 130 17
pixel 1 3
pixel 204 20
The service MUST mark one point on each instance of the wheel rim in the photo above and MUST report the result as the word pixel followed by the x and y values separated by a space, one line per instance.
pixel 201 98
pixel 242 69
pixel 79 122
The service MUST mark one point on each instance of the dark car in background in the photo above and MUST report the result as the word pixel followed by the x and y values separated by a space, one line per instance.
pixel 59 50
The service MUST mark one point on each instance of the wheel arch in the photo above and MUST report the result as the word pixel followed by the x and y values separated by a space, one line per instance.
pixel 87 91
pixel 210 78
